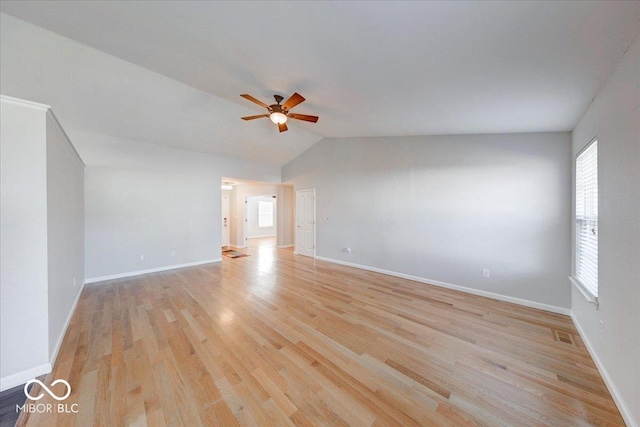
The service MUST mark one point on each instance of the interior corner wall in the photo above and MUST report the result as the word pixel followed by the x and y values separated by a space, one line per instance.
pixel 443 208
pixel 145 202
pixel 23 245
pixel 614 119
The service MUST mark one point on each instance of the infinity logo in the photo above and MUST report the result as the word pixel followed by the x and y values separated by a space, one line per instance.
pixel 52 394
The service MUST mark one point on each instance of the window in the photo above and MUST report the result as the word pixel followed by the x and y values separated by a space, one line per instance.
pixel 265 214
pixel 587 219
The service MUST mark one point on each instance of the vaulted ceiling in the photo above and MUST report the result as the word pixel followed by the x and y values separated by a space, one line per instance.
pixel 366 68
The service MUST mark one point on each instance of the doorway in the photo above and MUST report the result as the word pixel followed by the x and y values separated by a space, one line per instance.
pixel 260 219
pixel 306 222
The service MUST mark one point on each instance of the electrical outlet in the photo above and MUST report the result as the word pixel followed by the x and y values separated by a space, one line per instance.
pixel 486 273
pixel 347 250
pixel 74 282
pixel 141 257
pixel 173 253
pixel 602 329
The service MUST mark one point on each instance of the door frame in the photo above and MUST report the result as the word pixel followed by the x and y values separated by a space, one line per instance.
pixel 244 216
pixel 228 196
pixel 295 234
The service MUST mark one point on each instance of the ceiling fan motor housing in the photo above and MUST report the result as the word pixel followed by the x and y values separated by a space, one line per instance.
pixel 277 108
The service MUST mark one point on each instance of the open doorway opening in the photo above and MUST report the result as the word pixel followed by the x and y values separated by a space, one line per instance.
pixel 256 214
pixel 260 220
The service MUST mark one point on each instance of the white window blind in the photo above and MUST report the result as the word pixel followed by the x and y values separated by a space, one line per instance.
pixel 587 218
pixel 265 214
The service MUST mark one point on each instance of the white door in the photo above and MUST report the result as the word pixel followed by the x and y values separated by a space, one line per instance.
pixel 225 220
pixel 306 222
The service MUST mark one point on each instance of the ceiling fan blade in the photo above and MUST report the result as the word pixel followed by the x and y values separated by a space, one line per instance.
pixel 295 99
pixel 282 127
pixel 259 116
pixel 252 99
pixel 304 117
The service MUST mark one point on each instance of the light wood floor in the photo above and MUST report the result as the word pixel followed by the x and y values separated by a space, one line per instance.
pixel 254 242
pixel 278 339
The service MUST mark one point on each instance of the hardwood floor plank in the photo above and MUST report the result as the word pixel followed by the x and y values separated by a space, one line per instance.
pixel 279 339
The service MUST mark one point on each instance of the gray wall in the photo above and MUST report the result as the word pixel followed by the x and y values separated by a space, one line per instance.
pixel 445 207
pixel 614 118
pixel 42 245
pixel 151 200
pixel 65 231
pixel 23 243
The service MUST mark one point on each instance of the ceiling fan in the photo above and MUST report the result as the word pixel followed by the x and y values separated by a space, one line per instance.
pixel 280 113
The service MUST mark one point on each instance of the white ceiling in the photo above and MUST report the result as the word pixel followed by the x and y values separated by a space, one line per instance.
pixel 367 68
pixel 95 92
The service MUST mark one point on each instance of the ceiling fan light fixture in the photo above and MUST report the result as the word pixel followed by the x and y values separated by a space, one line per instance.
pixel 279 114
pixel 278 118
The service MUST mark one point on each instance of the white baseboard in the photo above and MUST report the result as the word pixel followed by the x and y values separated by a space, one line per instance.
pixel 54 354
pixel 22 377
pixel 151 270
pixel 514 300
pixel 285 246
pixel 622 407
pixel 29 374
pixel 261 237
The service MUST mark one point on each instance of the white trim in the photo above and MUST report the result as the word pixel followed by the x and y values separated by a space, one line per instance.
pixel 226 229
pixel 49 111
pixel 54 355
pixel 22 377
pixel 585 292
pixel 25 103
pixel 260 237
pixel 514 300
pixel 151 270
pixel 284 246
pixel 625 411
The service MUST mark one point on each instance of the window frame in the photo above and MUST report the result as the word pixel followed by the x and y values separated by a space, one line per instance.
pixel 586 291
